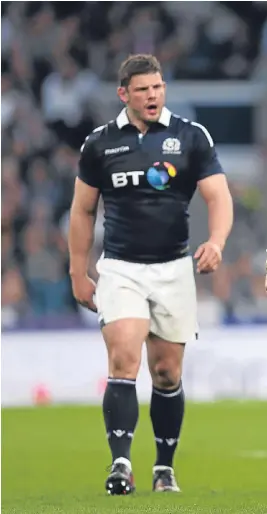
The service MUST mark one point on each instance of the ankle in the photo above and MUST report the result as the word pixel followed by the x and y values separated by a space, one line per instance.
pixel 161 467
pixel 123 460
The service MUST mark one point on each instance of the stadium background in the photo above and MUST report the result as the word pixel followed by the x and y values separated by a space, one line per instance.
pixel 59 65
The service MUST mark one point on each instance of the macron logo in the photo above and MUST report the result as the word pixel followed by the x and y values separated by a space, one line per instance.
pixel 120 149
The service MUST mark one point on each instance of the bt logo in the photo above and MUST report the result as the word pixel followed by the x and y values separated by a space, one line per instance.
pixel 157 176
pixel 121 179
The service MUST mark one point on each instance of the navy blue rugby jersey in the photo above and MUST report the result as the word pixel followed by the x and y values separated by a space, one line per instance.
pixel 147 182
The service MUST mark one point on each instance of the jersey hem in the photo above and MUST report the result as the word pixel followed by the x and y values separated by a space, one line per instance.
pixel 183 252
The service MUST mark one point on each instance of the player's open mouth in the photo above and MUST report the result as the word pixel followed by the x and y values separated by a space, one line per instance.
pixel 152 109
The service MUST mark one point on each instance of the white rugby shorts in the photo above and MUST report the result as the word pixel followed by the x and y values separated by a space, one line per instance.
pixel 164 293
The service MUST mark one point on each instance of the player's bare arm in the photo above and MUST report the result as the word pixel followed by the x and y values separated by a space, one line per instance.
pixel 81 237
pixel 215 192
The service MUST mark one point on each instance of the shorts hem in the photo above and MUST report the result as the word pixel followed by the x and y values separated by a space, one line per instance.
pixel 105 321
pixel 181 340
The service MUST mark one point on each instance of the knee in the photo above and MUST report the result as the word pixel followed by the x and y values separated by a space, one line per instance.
pixel 165 375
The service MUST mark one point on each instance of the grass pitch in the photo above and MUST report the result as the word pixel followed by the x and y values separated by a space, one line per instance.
pixel 54 461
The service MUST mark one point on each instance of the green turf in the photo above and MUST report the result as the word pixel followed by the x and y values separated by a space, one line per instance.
pixel 54 460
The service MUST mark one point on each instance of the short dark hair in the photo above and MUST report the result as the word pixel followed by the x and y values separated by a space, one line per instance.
pixel 139 64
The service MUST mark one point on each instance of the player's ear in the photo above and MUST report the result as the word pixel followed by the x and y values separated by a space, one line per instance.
pixel 122 94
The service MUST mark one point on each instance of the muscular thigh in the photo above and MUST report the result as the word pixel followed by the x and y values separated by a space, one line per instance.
pixel 173 306
pixel 123 315
pixel 124 340
pixel 119 292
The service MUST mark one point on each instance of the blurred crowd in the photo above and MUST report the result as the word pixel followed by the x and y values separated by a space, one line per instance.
pixel 55 56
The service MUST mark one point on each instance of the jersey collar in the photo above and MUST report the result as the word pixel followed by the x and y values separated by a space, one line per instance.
pixel 164 118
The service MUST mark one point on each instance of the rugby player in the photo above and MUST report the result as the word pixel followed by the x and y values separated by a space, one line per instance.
pixel 146 165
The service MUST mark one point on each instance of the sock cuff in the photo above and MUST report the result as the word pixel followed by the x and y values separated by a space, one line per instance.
pixel 123 460
pixel 168 393
pixel 121 381
pixel 159 467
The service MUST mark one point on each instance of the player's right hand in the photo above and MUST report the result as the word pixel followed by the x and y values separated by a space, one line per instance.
pixel 83 288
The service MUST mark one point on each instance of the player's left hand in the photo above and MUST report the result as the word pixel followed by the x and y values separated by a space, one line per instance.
pixel 209 256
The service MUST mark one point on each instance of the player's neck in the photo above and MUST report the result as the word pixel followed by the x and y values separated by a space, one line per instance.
pixel 139 124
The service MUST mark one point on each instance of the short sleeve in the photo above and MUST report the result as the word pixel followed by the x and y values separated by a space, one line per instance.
pixel 205 158
pixel 89 166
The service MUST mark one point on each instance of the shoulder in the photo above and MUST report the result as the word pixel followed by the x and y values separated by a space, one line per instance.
pixel 193 128
pixel 98 135
pixel 197 132
pixel 195 135
pixel 202 134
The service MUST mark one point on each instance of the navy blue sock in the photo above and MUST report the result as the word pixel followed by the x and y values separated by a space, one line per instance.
pixel 120 409
pixel 166 412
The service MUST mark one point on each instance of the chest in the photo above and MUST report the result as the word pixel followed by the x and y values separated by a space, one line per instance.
pixel 155 161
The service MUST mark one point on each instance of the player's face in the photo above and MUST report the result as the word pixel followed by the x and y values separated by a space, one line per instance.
pixel 145 96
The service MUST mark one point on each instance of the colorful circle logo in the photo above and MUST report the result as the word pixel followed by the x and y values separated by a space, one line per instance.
pixel 159 175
